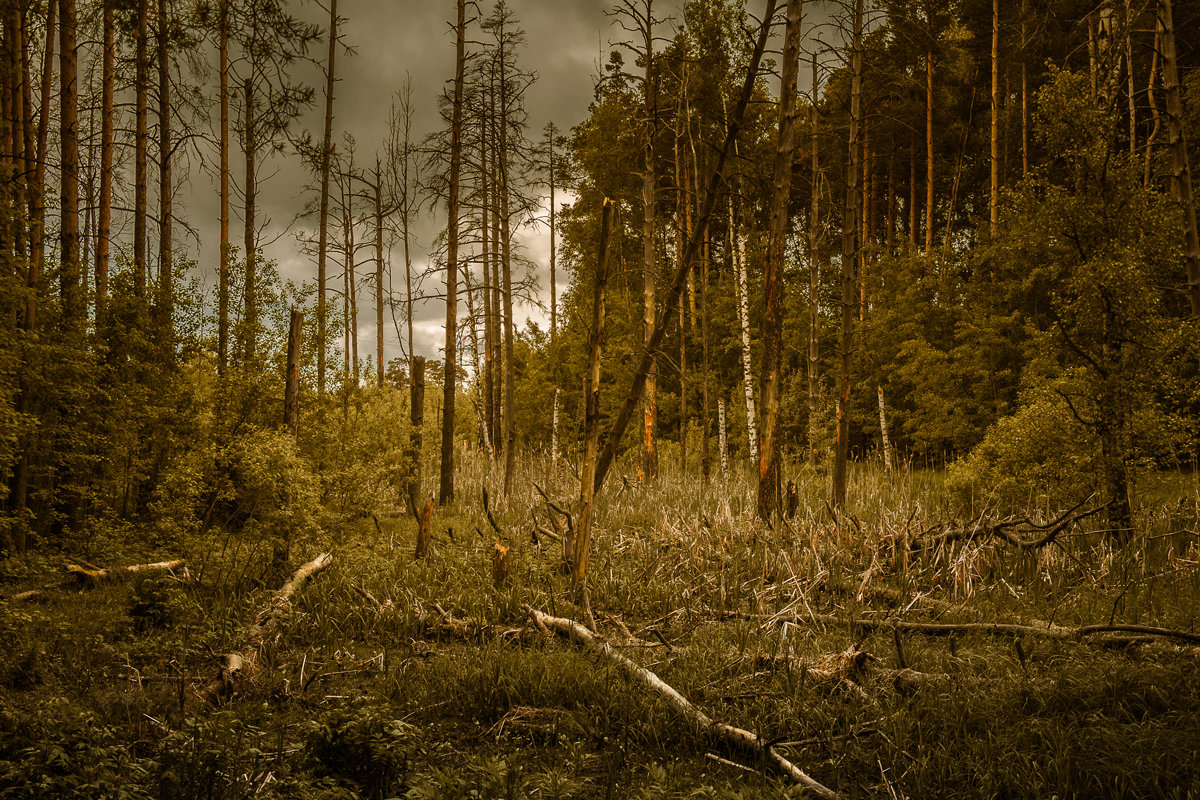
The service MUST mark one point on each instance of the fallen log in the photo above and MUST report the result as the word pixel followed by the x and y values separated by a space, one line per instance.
pixel 737 738
pixel 1023 534
pixel 1141 633
pixel 237 668
pixel 89 577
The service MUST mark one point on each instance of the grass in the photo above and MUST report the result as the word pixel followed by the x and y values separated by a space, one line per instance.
pixel 96 688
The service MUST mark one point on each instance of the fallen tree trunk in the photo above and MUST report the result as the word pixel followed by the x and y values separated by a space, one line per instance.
pixel 84 577
pixel 1142 633
pixel 237 668
pixel 741 740
pixel 1022 534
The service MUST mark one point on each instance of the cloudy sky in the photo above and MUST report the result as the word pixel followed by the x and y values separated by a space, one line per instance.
pixel 566 41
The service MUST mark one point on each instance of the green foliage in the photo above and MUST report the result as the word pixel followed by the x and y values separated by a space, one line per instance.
pixel 58 751
pixel 362 744
pixel 157 601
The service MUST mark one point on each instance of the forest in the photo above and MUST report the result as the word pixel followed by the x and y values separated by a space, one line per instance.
pixel 671 399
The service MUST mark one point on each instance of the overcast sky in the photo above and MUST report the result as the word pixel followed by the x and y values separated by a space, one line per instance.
pixel 566 40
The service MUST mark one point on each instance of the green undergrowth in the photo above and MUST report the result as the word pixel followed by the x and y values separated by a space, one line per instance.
pixel 437 688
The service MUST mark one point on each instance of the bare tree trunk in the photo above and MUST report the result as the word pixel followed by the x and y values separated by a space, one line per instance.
pixel 842 453
pixel 379 301
pixel 323 220
pixel 994 196
pixel 914 199
pixel 649 259
pixel 553 276
pixel 768 470
pixel 1154 113
pixel 140 145
pixel 591 441
pixel 250 316
pixel 814 238
pixel 37 197
pixel 505 244
pixel 721 442
pixel 489 259
pixel 417 421
pixel 446 484
pixel 883 430
pixel 107 126
pixel 74 307
pixel 705 413
pixel 928 152
pixel 291 395
pixel 743 287
pixel 1181 182
pixel 166 288
pixel 1132 87
pixel 1024 95
pixel 223 256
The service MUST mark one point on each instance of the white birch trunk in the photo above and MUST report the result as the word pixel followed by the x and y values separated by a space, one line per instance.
pixel 887 443
pixel 721 436
pixel 739 255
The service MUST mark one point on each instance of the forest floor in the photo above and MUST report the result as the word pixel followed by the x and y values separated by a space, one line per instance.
pixel 392 676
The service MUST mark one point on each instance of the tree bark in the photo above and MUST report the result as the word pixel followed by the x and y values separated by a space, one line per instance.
pixel 883 430
pixel 769 498
pixel 649 259
pixel 141 138
pixel 74 307
pixel 166 289
pixel 591 441
pixel 814 239
pixel 842 453
pixel 743 286
pixel 107 127
pixel 380 367
pixel 249 289
pixel 1181 182
pixel 929 152
pixel 291 395
pixel 223 256
pixel 323 220
pixel 502 157
pixel 417 422
pixel 994 195
pixel 446 484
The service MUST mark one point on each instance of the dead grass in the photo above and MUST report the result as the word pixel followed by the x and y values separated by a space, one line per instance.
pixel 442 689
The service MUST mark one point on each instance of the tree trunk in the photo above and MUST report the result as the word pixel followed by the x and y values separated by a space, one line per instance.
pixel 291 395
pixel 591 440
pixel 814 239
pixel 1024 95
pixel 505 244
pixel 1181 182
pixel 743 287
pixel 553 275
pixel 73 305
pixel 768 466
pixel 223 256
pixel 994 196
pixel 928 152
pixel 842 453
pixel 721 442
pixel 107 127
pixel 250 316
pixel 488 258
pixel 166 288
pixel 446 484
pixel 323 218
pixel 140 144
pixel 379 301
pixel 649 260
pixel 417 421
pixel 883 430
pixel 705 412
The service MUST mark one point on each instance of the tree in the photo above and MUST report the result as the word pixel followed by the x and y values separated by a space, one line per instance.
pixel 769 456
pixel 323 214
pixel 446 483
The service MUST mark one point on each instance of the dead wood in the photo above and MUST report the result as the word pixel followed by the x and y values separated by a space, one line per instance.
pixel 237 668
pixel 86 576
pixel 741 740
pixel 1023 534
pixel 1140 634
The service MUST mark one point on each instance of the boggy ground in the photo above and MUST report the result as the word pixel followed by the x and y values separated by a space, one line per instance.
pixel 397 677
